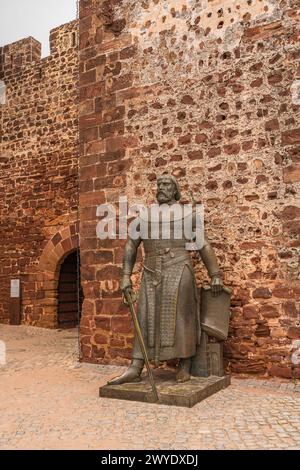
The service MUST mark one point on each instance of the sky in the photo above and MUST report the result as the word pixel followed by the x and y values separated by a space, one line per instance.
pixel 22 18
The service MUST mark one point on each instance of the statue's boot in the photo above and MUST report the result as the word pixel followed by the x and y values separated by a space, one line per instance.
pixel 184 372
pixel 131 375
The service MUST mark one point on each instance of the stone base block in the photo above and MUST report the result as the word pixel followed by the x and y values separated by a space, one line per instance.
pixel 170 392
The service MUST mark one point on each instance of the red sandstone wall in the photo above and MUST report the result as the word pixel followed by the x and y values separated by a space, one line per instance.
pixel 38 166
pixel 209 91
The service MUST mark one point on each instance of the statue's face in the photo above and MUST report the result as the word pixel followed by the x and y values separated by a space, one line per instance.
pixel 165 191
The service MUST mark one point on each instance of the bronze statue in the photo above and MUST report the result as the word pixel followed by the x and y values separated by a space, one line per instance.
pixel 168 307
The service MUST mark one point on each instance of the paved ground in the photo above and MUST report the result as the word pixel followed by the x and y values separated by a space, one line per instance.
pixel 48 401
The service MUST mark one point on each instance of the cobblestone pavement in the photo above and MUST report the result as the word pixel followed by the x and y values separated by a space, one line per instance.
pixel 49 401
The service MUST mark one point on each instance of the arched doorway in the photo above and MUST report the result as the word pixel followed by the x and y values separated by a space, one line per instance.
pixel 70 295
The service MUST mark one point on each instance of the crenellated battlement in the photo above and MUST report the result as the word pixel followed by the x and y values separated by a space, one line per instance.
pixel 64 37
pixel 19 54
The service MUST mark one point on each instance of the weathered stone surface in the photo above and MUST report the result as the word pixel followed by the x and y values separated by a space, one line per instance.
pixel 38 169
pixel 192 111
pixel 208 94
pixel 291 174
pixel 256 414
pixel 170 393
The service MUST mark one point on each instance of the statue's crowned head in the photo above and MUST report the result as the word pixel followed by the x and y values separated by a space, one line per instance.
pixel 167 189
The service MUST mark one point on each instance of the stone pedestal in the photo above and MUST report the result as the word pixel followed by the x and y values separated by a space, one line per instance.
pixel 209 358
pixel 170 392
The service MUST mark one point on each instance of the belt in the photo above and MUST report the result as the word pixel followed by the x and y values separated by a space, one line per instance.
pixel 172 252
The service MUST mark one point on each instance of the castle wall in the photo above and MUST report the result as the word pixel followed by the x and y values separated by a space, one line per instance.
pixel 39 166
pixel 208 90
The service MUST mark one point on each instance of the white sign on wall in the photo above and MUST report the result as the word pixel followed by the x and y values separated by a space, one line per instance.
pixel 2 92
pixel 15 288
pixel 2 353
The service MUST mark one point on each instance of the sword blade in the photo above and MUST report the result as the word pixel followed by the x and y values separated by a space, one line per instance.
pixel 142 343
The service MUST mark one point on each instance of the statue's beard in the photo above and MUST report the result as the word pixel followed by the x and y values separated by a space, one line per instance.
pixel 163 197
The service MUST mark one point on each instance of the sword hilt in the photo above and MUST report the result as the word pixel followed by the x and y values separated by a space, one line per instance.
pixel 132 294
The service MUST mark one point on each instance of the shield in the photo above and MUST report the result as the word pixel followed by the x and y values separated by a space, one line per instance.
pixel 215 313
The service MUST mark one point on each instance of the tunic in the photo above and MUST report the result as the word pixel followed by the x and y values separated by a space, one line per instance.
pixel 168 304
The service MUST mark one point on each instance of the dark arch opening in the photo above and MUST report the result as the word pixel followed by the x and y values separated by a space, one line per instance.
pixel 70 294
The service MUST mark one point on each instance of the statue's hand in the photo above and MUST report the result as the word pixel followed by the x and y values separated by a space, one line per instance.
pixel 126 287
pixel 125 283
pixel 216 286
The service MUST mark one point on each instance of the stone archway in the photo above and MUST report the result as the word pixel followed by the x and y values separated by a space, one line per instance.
pixel 55 252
